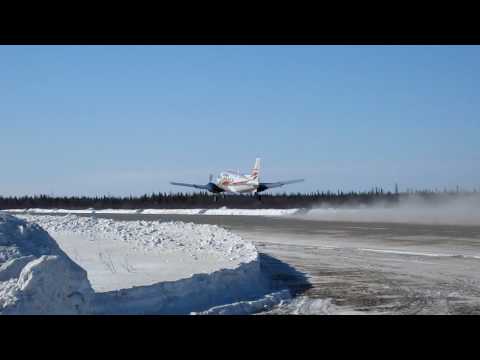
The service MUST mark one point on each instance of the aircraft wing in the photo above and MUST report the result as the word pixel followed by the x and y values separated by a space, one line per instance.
pixel 191 185
pixel 279 183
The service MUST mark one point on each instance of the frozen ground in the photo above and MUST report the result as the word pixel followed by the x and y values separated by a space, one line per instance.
pixel 375 268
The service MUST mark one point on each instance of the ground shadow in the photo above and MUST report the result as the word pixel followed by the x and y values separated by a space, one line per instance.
pixel 282 275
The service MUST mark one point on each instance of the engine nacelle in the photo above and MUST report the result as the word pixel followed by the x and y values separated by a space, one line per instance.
pixel 213 188
pixel 261 188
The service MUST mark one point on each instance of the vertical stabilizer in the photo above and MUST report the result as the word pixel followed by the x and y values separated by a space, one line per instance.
pixel 256 169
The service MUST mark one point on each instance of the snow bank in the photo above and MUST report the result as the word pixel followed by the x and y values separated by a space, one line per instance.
pixel 226 269
pixel 78 211
pixel 221 211
pixel 154 235
pixel 251 212
pixel 194 294
pixel 36 276
pixel 171 211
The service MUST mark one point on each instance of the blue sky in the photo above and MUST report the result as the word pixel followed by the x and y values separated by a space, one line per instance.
pixel 128 119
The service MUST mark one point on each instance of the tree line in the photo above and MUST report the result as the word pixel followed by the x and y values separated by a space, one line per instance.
pixel 206 201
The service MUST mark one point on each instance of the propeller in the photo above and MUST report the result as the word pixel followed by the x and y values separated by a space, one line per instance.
pixel 210 178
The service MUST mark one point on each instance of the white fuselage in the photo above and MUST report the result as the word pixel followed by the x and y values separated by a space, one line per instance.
pixel 237 183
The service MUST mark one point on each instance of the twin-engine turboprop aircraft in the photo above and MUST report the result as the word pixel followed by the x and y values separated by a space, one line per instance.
pixel 236 183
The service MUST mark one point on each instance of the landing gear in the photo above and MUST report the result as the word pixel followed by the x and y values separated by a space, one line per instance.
pixel 216 196
pixel 258 197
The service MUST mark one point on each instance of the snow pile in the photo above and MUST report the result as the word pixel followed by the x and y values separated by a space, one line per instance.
pixel 174 267
pixel 36 276
pixel 166 211
pixel 77 211
pixel 221 211
pixel 197 293
pixel 153 235
pixel 249 307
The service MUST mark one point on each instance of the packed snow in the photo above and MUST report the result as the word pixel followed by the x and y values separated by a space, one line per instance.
pixel 36 276
pixel 152 267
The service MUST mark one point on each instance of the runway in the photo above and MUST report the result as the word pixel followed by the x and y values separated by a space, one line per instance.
pixel 365 268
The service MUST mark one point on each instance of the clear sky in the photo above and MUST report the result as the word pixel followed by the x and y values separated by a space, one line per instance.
pixel 128 119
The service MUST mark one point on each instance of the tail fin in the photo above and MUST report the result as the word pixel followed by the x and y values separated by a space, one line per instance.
pixel 256 169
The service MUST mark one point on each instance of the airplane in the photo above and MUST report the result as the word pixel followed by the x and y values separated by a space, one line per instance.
pixel 236 183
